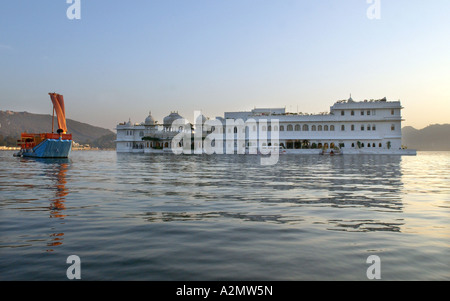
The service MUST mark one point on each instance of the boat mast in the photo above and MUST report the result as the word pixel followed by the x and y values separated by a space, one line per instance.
pixel 53 117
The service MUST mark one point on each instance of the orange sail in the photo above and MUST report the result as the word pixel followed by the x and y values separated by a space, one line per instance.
pixel 58 105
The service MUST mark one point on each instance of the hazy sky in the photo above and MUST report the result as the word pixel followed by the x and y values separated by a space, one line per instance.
pixel 125 58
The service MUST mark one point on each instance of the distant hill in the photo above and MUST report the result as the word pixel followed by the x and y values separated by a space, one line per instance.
pixel 14 123
pixel 435 137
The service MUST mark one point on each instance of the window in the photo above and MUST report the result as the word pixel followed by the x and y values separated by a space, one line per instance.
pixel 281 128
pixel 353 145
pixel 342 127
pixel 290 128
pixel 275 128
pixel 362 113
pixel 297 127
pixel 319 128
pixel 264 128
pixel 368 127
pixel 373 144
pixel 305 127
pixel 313 128
pixel 353 113
pixel 353 127
pixel 392 112
pixel 269 128
pixel 325 127
pixel 393 127
pixel 374 127
pixel 379 145
pixel 368 112
pixel 362 128
pixel 332 128
pixel 235 130
pixel 342 113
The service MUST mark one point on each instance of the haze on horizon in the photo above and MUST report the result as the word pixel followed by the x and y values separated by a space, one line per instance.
pixel 123 59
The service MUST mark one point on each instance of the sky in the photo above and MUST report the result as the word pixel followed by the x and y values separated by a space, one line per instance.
pixel 123 59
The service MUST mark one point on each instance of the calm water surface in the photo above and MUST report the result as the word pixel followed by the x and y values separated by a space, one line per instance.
pixel 222 217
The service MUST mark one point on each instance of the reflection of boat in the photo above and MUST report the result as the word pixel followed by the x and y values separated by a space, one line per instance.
pixel 48 145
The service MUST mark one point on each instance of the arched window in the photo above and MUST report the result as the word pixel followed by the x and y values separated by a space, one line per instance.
pixel 379 145
pixel 235 129
pixel 264 128
pixel 319 128
pixel 269 128
pixel 368 127
pixel 297 127
pixel 281 128
pixel 275 127
pixel 353 113
pixel 362 128
pixel 325 127
pixel 331 127
pixel 342 113
pixel 393 127
pixel 290 127
pixel 353 127
pixel 305 127
pixel 313 127
pixel 353 145
pixel 342 127
pixel 374 127
pixel 373 144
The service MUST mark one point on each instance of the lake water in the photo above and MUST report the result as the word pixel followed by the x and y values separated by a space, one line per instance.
pixel 225 217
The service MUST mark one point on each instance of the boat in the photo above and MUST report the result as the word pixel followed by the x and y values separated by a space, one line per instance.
pixel 48 145
pixel 331 152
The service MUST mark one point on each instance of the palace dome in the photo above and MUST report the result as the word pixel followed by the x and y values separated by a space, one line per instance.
pixel 149 120
pixel 168 120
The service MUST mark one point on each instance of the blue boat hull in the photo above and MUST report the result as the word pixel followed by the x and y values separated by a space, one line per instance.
pixel 49 148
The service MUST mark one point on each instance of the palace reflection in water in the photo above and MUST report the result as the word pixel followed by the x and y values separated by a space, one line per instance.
pixel 349 187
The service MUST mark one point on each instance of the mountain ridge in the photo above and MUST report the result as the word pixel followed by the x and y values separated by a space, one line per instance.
pixel 12 124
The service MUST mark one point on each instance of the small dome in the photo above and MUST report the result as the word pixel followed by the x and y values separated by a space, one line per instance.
pixel 129 122
pixel 351 99
pixel 168 120
pixel 149 120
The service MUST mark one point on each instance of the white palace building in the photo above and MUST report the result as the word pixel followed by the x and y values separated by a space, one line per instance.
pixel 351 127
